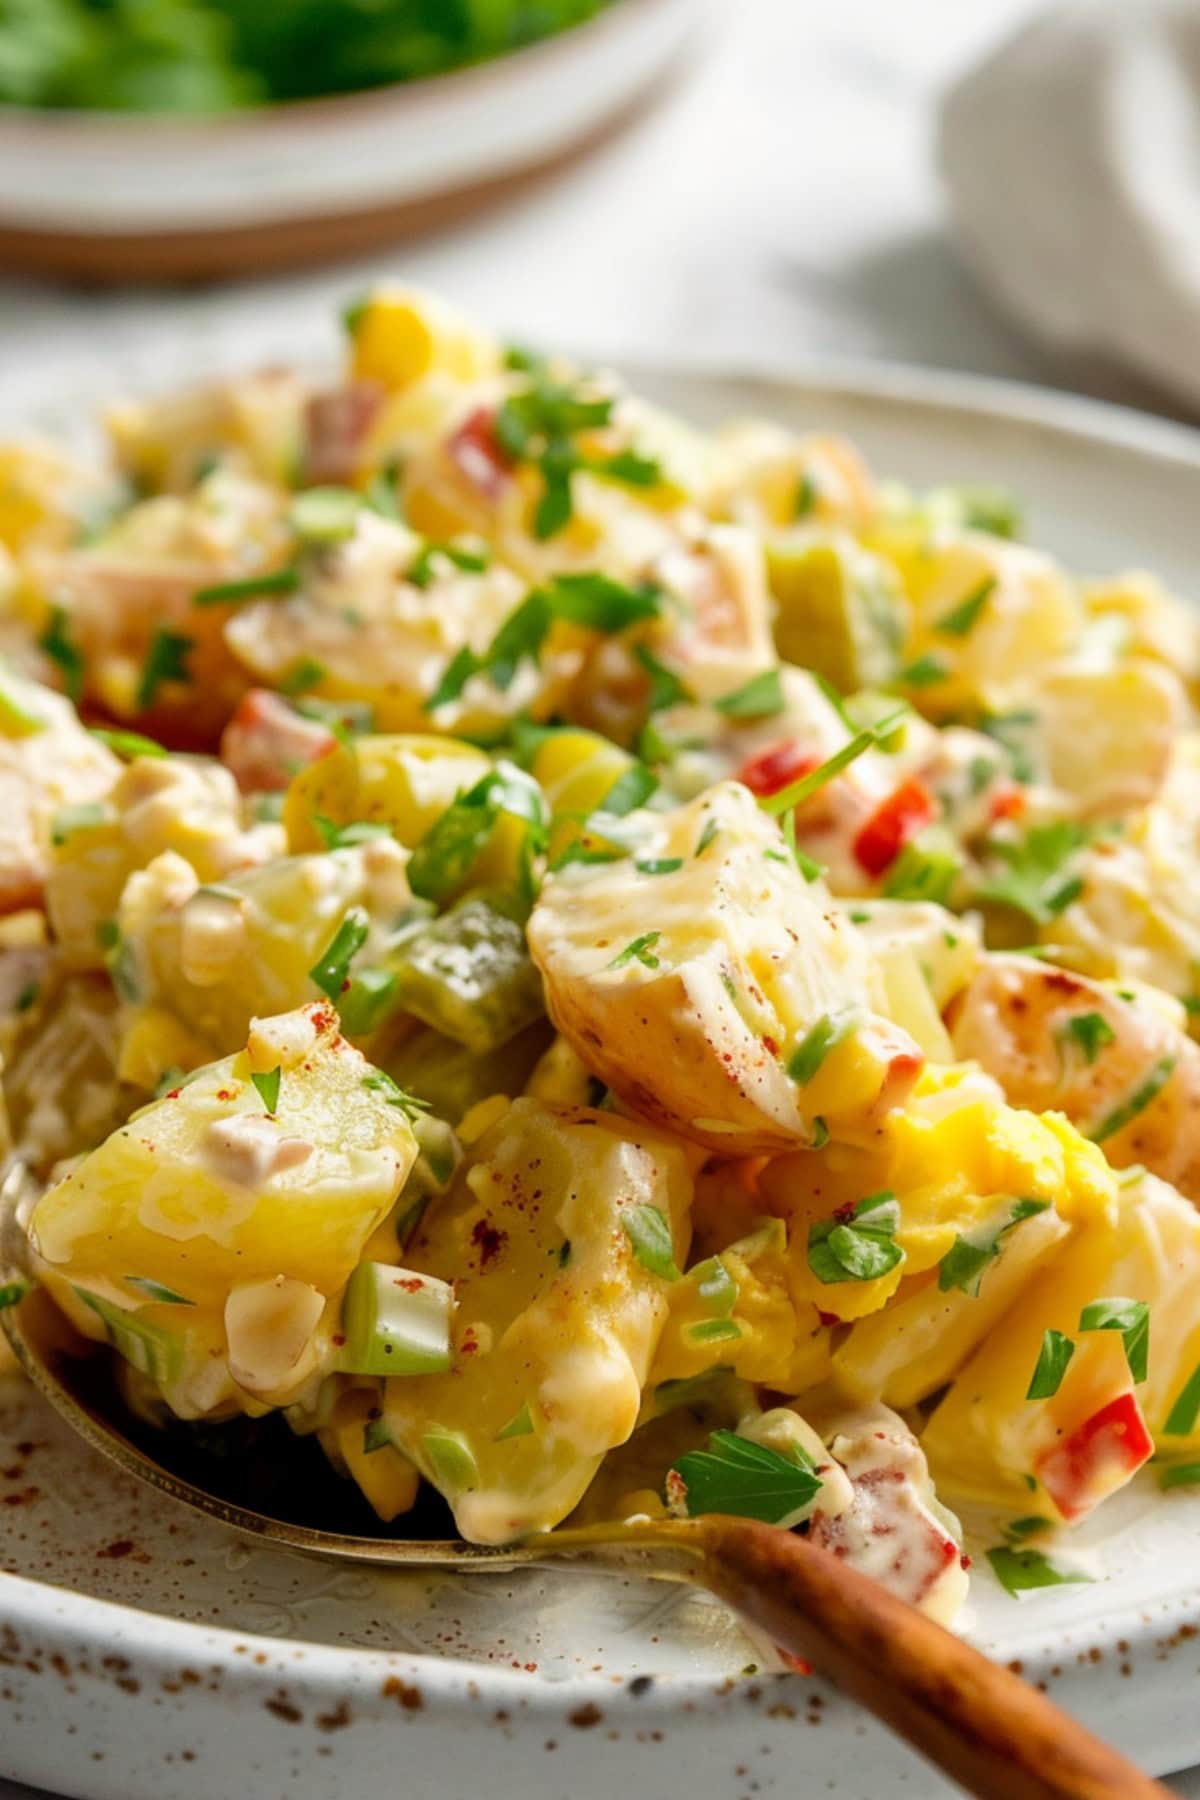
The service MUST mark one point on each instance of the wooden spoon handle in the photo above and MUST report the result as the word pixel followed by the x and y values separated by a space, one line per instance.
pixel 980 1723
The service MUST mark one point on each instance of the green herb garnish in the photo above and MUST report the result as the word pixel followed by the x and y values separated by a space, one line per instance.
pixel 649 1233
pixel 1138 1101
pixel 1038 879
pixel 1132 1319
pixel 268 1088
pixel 56 641
pixel 967 1259
pixel 166 660
pixel 817 1042
pixel 1053 1358
pixel 1181 1420
pixel 640 950
pixel 748 1480
pixel 962 619
pixel 332 971
pixel 1017 1571
pixel 858 1244
pixel 156 1291
pixel 1091 1032
pixel 758 698
pixel 250 587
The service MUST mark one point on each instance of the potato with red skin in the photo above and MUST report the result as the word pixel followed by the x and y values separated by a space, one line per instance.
pixel 690 991
pixel 267 741
pixel 1054 1039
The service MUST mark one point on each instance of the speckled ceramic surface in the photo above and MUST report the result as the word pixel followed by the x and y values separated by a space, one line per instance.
pixel 146 1654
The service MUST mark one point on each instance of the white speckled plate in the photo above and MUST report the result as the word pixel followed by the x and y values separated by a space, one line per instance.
pixel 146 1654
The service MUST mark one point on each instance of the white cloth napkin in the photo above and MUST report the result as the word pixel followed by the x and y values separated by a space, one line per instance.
pixel 1071 157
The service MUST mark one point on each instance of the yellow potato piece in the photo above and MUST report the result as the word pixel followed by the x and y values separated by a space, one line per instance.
pixel 557 1318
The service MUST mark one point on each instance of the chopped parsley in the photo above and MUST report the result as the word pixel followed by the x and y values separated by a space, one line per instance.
pixel 747 1480
pixel 1141 1097
pixel 443 859
pixel 640 950
pixel 1091 1032
pixel 649 1234
pixel 1055 1354
pixel 967 1259
pixel 659 865
pixel 706 836
pixel 1173 1476
pixel 963 618
pixel 587 598
pixel 806 496
pixel 759 698
pixel 268 1088
pixel 127 743
pixel 421 572
pixel 807 865
pixel 817 1042
pixel 1181 1420
pixel 1039 878
pixel 1132 1319
pixel 250 587
pixel 332 972
pixel 520 1425
pixel 803 789
pixel 666 689
pixel 344 837
pixel 303 676
pixel 166 660
pixel 1018 1571
pixel 926 671
pixel 628 792
pixel 377 1082
pixel 56 641
pixel 12 1293
pixel 858 1247
pixel 538 426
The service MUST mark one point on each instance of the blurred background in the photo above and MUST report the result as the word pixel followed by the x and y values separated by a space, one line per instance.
pixel 752 182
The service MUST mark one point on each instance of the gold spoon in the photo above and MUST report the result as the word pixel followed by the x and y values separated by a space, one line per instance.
pixel 977 1722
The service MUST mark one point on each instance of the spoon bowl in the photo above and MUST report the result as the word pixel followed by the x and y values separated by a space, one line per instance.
pixel 979 1723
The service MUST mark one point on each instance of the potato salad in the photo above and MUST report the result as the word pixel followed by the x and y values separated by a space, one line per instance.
pixel 599 968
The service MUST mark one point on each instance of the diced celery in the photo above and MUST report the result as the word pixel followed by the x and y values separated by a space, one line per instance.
pixel 715 1286
pixel 151 1349
pixel 396 1322
pixel 451 1461
pixel 470 976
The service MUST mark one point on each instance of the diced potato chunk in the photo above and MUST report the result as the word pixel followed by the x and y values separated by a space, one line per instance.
pixel 691 990
pixel 214 955
pixel 48 762
pixel 557 1318
pixel 986 1436
pixel 210 1214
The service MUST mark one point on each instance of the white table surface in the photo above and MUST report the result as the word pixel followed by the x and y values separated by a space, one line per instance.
pixel 780 200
